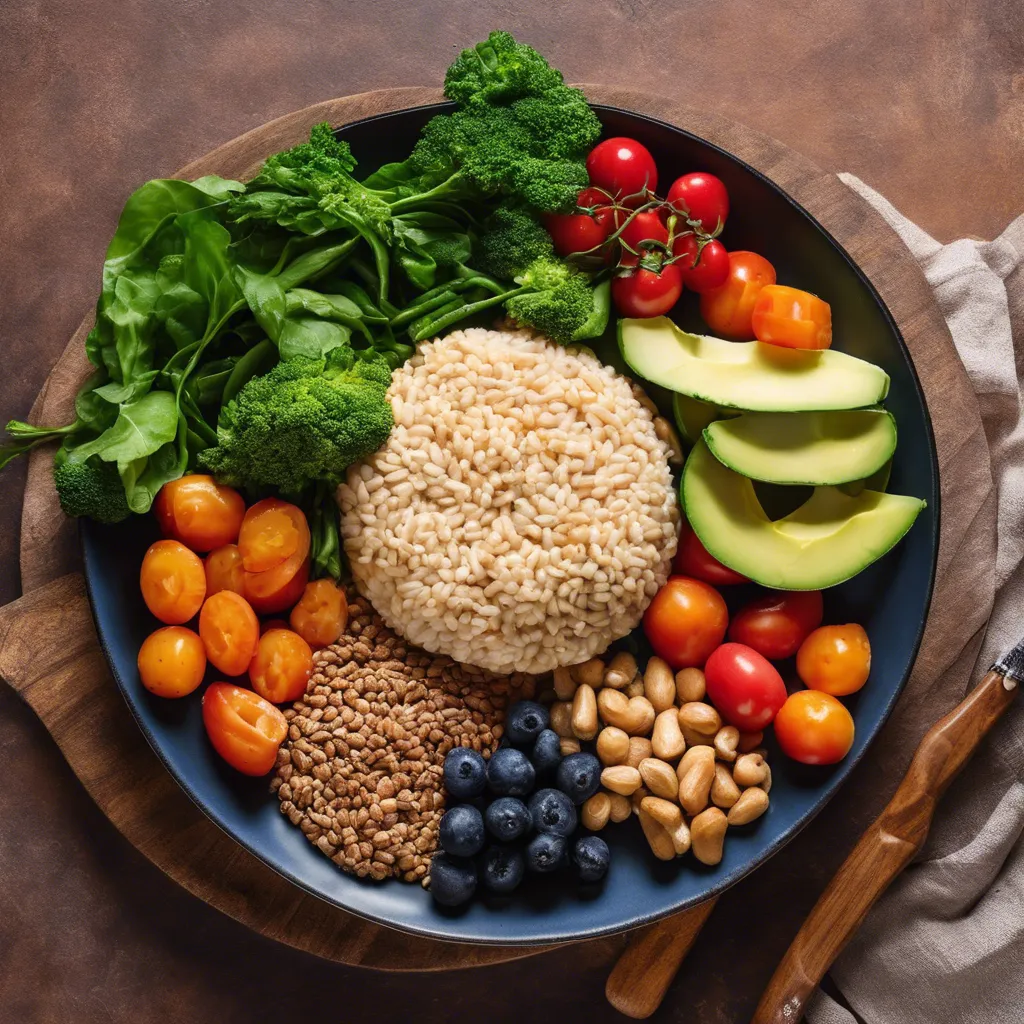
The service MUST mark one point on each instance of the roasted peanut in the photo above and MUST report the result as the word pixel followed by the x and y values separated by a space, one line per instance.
pixel 749 741
pixel 658 838
pixel 660 778
pixel 667 738
pixel 584 713
pixel 620 778
pixel 725 742
pixel 637 798
pixel 633 715
pixel 639 748
pixel 621 671
pixel 568 745
pixel 612 745
pixel 707 835
pixel 690 685
pixel 564 684
pixel 596 811
pixel 695 781
pixel 767 784
pixel 590 672
pixel 699 723
pixel 635 688
pixel 667 433
pixel 752 804
pixel 659 685
pixel 749 770
pixel 621 807
pixel 724 791
pixel 612 706
pixel 546 697
pixel 671 819
pixel 561 718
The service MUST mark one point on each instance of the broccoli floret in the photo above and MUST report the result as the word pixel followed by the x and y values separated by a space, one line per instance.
pixel 90 487
pixel 511 240
pixel 559 303
pixel 499 70
pixel 306 420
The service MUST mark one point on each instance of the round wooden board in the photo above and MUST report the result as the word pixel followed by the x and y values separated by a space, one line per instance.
pixel 160 820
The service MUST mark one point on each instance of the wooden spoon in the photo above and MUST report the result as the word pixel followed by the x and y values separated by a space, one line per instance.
pixel 888 845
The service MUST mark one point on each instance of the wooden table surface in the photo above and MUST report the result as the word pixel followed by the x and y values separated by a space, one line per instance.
pixel 923 99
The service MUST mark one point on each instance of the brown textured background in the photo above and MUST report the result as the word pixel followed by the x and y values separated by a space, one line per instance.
pixel 923 99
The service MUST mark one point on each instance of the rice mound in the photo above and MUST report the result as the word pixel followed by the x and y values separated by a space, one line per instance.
pixel 522 514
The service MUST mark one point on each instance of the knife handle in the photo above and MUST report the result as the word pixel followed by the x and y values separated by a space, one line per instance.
pixel 883 851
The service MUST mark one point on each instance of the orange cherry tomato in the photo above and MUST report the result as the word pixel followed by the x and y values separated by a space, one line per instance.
pixel 281 666
pixel 230 632
pixel 814 728
pixel 272 531
pixel 728 309
pixel 321 615
pixel 199 512
pixel 835 659
pixel 224 570
pixel 685 622
pixel 173 582
pixel 791 318
pixel 245 729
pixel 172 661
pixel 277 589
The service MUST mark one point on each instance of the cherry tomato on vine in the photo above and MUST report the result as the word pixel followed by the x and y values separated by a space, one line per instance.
pixel 685 622
pixel 641 293
pixel 835 659
pixel 727 309
pixel 281 666
pixel 622 167
pixel 644 226
pixel 745 687
pixel 703 197
pixel 776 624
pixel 575 232
pixel 230 631
pixel 321 615
pixel 693 559
pixel 224 570
pixel 708 271
pixel 199 512
pixel 172 661
pixel 791 318
pixel 245 729
pixel 814 728
pixel 272 532
pixel 172 581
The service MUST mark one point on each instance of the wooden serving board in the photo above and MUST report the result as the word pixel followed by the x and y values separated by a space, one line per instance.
pixel 50 654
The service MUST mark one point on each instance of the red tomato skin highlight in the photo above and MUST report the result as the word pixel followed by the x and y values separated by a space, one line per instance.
pixel 745 687
pixel 777 623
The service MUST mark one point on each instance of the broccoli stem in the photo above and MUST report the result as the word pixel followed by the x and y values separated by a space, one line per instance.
pixel 456 181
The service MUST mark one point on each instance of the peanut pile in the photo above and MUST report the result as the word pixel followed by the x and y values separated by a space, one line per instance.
pixel 668 756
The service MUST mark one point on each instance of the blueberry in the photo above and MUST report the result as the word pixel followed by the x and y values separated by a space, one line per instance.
pixel 553 812
pixel 507 818
pixel 591 857
pixel 452 881
pixel 509 772
pixel 461 832
pixel 503 868
pixel 579 777
pixel 525 721
pixel 465 773
pixel 546 852
pixel 547 752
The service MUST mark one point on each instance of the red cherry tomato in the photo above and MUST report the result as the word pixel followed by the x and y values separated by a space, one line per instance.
pixel 728 309
pixel 230 632
pixel 277 589
pixel 814 728
pixel 644 226
pixel 685 622
pixel 281 667
pixel 692 559
pixel 835 659
pixel 245 729
pixel 703 197
pixel 642 293
pixel 172 581
pixel 791 318
pixel 622 167
pixel 745 687
pixel 272 532
pixel 575 232
pixel 321 615
pixel 224 570
pixel 199 512
pixel 708 271
pixel 172 661
pixel 776 624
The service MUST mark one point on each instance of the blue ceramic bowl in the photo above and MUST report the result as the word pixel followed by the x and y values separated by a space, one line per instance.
pixel 890 599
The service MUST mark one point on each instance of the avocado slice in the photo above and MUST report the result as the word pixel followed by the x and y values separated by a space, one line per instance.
pixel 692 416
pixel 829 538
pixel 814 448
pixel 747 374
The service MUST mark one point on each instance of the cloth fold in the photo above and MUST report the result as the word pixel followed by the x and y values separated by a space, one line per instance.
pixel 945 944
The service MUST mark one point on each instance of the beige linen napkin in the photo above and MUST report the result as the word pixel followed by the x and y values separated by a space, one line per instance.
pixel 945 945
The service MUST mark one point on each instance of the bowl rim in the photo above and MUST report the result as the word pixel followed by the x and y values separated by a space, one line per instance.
pixel 555 936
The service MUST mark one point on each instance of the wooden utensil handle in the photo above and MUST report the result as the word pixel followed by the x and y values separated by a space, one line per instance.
pixel 882 852
pixel 644 971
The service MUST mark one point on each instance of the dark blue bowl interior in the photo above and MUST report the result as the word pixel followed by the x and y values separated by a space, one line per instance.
pixel 890 599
